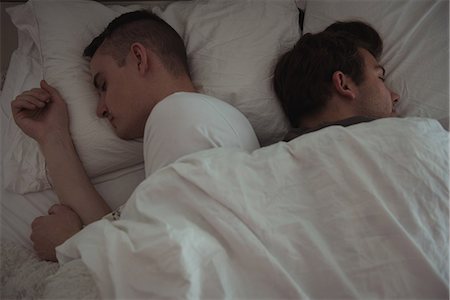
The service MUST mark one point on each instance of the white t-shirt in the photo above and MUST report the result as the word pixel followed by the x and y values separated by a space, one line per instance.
pixel 184 123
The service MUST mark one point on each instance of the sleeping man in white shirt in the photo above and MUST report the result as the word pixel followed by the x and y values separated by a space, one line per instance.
pixel 140 70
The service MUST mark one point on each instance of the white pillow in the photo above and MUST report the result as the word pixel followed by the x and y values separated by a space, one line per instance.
pixel 24 73
pixel 60 48
pixel 231 45
pixel 416 47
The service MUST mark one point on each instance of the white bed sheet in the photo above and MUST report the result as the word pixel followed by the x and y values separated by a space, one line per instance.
pixel 358 212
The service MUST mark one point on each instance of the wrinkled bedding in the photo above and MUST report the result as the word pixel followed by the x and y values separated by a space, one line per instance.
pixel 352 212
pixel 25 276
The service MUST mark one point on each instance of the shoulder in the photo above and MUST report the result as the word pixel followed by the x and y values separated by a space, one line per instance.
pixel 198 104
pixel 188 110
pixel 184 123
pixel 192 116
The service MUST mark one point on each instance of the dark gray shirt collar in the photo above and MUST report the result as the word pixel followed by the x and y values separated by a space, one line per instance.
pixel 296 132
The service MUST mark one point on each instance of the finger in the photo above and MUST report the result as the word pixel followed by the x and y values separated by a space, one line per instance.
pixel 30 96
pixel 36 222
pixel 33 238
pixel 38 93
pixel 51 90
pixel 36 101
pixel 55 208
pixel 21 104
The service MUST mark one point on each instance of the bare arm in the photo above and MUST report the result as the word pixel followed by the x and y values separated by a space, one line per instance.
pixel 70 180
pixel 42 114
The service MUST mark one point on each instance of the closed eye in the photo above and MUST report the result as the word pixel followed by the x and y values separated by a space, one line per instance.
pixel 382 71
pixel 103 87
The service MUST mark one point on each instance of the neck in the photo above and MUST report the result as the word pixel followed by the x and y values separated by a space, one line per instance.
pixel 168 86
pixel 183 84
pixel 333 112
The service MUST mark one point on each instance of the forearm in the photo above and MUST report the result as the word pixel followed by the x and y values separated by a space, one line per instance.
pixel 70 180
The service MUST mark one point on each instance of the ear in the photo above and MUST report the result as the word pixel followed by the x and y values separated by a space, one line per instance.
pixel 140 58
pixel 344 85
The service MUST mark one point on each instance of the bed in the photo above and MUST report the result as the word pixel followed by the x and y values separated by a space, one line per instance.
pixel 357 213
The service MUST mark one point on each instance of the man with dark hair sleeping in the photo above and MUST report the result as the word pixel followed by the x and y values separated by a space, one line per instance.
pixel 139 67
pixel 334 78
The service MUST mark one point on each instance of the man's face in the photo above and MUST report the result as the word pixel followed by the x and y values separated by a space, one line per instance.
pixel 375 99
pixel 119 96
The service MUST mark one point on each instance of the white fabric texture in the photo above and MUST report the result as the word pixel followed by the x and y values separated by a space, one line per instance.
pixel 23 74
pixel 416 47
pixel 345 212
pixel 60 50
pixel 230 58
pixel 18 211
pixel 25 276
pixel 22 273
pixel 184 123
pixel 232 48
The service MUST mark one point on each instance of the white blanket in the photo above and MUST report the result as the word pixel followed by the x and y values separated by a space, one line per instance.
pixel 352 212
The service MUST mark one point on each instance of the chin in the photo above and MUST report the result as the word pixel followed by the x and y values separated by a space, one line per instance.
pixel 127 135
pixel 129 132
pixel 122 135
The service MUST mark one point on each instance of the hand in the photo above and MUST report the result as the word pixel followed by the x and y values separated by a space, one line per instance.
pixel 41 113
pixel 48 232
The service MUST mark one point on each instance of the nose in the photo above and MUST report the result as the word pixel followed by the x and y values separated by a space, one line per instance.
pixel 102 110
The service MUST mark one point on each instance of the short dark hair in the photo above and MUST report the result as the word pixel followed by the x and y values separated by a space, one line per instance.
pixel 150 30
pixel 367 37
pixel 303 76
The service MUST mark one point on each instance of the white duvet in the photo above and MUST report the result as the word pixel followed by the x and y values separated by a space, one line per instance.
pixel 354 212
